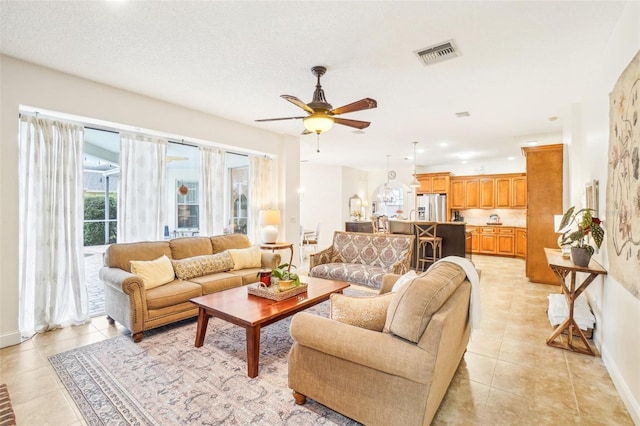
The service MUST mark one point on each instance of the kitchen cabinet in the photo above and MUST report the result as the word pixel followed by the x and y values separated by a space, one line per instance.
pixel 544 200
pixel 505 242
pixel 472 193
pixel 521 242
pixel 457 195
pixel 475 239
pixel 519 192
pixel 487 186
pixel 497 240
pixel 504 187
pixel 433 183
pixel 488 239
pixel 505 191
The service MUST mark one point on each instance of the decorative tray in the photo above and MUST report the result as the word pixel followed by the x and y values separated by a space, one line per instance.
pixel 273 293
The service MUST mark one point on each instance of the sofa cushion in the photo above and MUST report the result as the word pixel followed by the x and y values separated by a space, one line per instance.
pixel 246 258
pixel 370 276
pixel 120 255
pixel 221 243
pixel 172 294
pixel 414 304
pixel 154 273
pixel 217 282
pixel 182 248
pixel 363 312
pixel 198 266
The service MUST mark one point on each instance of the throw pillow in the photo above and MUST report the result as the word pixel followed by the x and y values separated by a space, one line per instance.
pixel 403 280
pixel 363 312
pixel 246 258
pixel 414 304
pixel 199 266
pixel 154 273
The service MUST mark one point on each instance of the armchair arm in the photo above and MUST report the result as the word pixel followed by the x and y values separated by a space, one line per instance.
pixel 388 280
pixel 122 287
pixel 376 350
pixel 321 257
pixel 400 267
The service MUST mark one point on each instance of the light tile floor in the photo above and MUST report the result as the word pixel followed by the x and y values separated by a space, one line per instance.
pixel 508 375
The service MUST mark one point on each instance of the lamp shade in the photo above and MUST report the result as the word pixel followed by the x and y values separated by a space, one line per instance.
pixel 269 219
pixel 318 122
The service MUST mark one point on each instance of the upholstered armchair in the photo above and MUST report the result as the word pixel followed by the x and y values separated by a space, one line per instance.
pixel 386 359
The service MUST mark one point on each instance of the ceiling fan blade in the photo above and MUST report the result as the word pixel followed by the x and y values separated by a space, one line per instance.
pixel 351 123
pixel 366 103
pixel 279 119
pixel 298 103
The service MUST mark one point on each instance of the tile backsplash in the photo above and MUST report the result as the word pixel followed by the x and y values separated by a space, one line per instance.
pixel 508 217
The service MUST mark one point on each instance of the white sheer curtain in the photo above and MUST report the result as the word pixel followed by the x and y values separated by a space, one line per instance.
pixel 261 193
pixel 51 259
pixel 142 198
pixel 212 171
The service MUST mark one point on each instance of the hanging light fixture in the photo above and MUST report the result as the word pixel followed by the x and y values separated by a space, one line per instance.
pixel 414 183
pixel 388 196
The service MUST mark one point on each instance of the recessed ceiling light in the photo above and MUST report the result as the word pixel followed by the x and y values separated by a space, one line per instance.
pixel 359 132
pixel 464 162
pixel 464 155
pixel 532 143
pixel 462 114
pixel 420 151
pixel 511 158
pixel 443 144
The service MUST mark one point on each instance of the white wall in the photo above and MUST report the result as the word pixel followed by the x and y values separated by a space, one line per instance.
pixel 587 135
pixel 27 84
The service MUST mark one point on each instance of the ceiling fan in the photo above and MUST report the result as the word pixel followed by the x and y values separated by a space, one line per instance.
pixel 321 114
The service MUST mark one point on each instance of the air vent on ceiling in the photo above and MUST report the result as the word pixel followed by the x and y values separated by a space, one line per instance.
pixel 438 53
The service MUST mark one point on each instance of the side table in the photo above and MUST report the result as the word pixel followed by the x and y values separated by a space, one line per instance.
pixel 562 268
pixel 278 246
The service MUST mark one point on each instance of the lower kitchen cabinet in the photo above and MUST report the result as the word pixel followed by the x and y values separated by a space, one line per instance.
pixel 521 242
pixel 497 240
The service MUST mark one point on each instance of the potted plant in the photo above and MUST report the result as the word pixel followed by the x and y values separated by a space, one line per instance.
pixel 286 278
pixel 577 238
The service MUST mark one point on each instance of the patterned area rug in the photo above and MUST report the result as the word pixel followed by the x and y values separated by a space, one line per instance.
pixel 165 380
pixel 7 417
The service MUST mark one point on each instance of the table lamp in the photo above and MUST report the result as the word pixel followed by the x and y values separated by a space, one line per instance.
pixel 269 219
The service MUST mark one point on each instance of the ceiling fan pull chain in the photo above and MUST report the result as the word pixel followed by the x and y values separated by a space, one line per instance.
pixel 318 142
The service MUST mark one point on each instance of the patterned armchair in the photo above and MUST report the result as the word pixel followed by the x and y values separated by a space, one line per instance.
pixel 363 258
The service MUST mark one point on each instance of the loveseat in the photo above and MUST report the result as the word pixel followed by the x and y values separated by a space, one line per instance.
pixel 362 258
pixel 169 273
pixel 386 359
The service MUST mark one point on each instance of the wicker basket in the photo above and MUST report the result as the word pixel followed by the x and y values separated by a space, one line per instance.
pixel 271 292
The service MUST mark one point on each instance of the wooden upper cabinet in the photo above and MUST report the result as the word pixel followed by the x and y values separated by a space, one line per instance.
pixel 457 195
pixel 426 183
pixel 503 192
pixel 433 183
pixel 519 192
pixel 487 192
pixel 472 193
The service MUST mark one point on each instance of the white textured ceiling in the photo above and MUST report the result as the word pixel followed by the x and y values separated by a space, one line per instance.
pixel 520 63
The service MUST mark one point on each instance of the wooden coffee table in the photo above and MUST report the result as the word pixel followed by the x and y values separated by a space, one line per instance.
pixel 238 307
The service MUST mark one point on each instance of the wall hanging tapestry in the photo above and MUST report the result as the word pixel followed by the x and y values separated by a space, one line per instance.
pixel 623 184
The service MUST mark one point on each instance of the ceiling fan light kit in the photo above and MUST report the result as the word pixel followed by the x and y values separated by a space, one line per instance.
pixel 321 114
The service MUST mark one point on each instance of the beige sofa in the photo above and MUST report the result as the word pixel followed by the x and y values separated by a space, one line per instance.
pixel 138 308
pixel 362 258
pixel 388 359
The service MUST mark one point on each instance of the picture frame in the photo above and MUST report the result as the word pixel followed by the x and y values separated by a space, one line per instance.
pixel 591 196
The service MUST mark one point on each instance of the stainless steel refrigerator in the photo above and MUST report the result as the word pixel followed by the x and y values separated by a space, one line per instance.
pixel 432 207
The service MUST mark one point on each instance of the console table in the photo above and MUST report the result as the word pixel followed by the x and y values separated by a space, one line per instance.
pixel 563 267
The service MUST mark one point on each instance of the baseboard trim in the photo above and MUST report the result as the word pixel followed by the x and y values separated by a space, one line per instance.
pixel 10 339
pixel 627 397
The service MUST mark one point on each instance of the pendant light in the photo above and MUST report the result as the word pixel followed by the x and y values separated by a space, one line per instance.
pixel 414 183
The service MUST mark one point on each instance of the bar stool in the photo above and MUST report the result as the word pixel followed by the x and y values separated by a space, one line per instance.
pixel 426 233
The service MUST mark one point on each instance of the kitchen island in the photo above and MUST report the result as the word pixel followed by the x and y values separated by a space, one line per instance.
pixel 453 236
